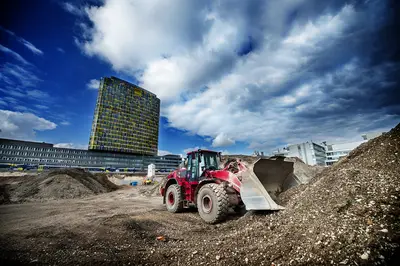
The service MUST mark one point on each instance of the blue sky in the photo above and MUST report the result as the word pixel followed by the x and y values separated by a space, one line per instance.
pixel 234 76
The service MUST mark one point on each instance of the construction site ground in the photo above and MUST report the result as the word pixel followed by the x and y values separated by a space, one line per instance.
pixel 349 214
pixel 117 227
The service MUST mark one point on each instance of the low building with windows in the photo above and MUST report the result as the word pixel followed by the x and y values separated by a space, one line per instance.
pixel 335 151
pixel 40 153
pixel 309 152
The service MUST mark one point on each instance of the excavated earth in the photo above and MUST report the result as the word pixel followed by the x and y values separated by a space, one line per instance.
pixel 52 185
pixel 349 214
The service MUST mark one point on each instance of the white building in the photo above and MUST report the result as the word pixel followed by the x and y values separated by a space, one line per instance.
pixel 336 151
pixel 309 152
pixel 324 154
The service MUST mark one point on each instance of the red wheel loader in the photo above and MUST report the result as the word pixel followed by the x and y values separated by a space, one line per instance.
pixel 200 183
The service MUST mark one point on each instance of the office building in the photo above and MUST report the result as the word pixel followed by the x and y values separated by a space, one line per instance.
pixel 45 154
pixel 309 152
pixel 324 153
pixel 126 119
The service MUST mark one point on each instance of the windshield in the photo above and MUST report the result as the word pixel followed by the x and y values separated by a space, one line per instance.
pixel 210 160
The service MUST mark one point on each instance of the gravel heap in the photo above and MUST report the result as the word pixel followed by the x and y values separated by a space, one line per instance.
pixel 303 171
pixel 347 215
pixel 56 184
pixel 247 159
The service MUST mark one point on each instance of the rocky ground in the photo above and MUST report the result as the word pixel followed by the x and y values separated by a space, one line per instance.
pixel 348 215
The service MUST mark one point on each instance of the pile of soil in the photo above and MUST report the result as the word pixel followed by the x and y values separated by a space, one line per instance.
pixel 105 182
pixel 247 159
pixel 55 184
pixel 349 214
pixel 150 190
pixel 303 171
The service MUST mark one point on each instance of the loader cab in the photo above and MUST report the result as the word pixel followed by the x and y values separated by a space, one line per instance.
pixel 201 160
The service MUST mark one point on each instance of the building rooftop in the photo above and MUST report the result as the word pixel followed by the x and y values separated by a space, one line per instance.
pixel 132 84
pixel 33 143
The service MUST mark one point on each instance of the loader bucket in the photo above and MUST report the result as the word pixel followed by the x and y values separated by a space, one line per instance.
pixel 263 180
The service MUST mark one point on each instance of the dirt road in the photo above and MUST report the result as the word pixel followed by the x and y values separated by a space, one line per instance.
pixel 117 227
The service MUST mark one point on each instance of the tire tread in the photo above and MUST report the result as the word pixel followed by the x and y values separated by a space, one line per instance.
pixel 223 202
pixel 178 198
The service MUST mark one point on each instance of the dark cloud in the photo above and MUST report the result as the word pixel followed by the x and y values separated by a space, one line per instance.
pixel 284 71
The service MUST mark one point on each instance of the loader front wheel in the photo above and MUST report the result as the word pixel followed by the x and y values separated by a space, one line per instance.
pixel 173 198
pixel 212 203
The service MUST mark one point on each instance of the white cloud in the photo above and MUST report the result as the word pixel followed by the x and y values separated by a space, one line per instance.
pixel 93 84
pixel 22 125
pixel 27 44
pixel 38 95
pixel 22 108
pixel 291 86
pixel 162 153
pixel 14 54
pixel 185 151
pixel 243 102
pixel 65 123
pixel 2 102
pixel 17 75
pixel 222 140
pixel 61 50
pixel 31 47
pixel 42 107
pixel 69 7
pixel 35 94
pixel 10 100
pixel 71 146
pixel 16 92
pixel 225 152
pixel 119 26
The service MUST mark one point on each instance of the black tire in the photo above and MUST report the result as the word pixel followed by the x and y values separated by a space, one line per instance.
pixel 240 209
pixel 173 198
pixel 212 203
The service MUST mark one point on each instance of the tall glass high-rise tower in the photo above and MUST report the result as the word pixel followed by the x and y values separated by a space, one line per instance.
pixel 126 118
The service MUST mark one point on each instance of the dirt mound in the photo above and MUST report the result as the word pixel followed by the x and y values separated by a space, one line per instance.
pixel 105 182
pixel 303 171
pixel 348 214
pixel 150 190
pixel 56 184
pixel 247 159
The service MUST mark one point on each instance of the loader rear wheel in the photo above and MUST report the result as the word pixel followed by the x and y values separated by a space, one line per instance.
pixel 173 199
pixel 212 203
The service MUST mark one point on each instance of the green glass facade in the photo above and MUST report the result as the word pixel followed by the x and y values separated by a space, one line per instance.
pixel 126 119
